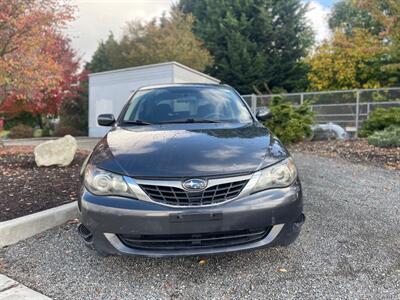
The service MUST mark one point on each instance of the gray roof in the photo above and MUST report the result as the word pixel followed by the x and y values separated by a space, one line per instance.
pixel 155 66
pixel 167 85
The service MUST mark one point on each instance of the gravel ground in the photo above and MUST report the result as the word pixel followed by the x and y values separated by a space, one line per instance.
pixel 349 249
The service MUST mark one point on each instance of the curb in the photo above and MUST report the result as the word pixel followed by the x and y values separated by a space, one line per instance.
pixel 21 228
pixel 43 139
pixel 11 289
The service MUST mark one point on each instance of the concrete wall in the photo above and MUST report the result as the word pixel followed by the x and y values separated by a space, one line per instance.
pixel 109 91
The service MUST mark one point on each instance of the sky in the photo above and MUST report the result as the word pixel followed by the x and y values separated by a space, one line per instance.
pixel 96 18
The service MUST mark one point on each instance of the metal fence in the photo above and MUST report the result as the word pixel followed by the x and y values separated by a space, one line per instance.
pixel 347 108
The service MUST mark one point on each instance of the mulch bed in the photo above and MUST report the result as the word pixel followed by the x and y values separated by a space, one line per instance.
pixel 358 151
pixel 26 188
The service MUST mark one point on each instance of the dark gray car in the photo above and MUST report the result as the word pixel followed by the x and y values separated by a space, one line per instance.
pixel 187 169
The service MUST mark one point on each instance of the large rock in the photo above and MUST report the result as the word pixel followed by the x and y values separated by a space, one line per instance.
pixel 58 152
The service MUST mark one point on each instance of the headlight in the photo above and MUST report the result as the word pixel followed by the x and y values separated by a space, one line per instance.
pixel 101 182
pixel 279 175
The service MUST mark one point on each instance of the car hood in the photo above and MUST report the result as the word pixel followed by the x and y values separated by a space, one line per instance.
pixel 187 150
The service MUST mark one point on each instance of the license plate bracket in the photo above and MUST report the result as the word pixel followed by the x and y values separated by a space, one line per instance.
pixel 195 217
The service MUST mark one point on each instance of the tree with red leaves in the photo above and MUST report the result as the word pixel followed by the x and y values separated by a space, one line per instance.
pixel 48 99
pixel 37 65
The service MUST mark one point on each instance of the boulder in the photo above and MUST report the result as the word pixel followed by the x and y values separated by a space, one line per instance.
pixel 58 152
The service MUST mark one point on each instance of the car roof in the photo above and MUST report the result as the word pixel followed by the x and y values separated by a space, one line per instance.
pixel 159 86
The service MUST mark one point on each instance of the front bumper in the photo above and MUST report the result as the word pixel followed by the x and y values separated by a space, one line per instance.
pixel 279 210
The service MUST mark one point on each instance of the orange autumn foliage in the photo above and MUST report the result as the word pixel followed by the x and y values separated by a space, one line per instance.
pixel 346 62
pixel 29 35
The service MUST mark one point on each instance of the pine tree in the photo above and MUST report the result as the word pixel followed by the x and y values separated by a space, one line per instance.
pixel 106 56
pixel 254 41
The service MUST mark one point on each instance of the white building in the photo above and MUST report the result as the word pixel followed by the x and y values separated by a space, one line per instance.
pixel 109 91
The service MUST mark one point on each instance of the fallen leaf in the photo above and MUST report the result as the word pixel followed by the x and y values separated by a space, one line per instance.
pixel 2 264
pixel 282 270
pixel 74 221
pixel 202 262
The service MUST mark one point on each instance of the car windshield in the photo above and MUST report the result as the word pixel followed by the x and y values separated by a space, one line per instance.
pixel 186 105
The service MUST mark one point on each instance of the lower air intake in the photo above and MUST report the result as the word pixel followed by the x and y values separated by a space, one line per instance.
pixel 193 241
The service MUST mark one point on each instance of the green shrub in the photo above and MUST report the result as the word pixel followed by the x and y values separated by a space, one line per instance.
pixel 74 114
pixel 20 131
pixel 4 134
pixel 37 132
pixel 47 131
pixel 380 119
pixel 290 124
pixel 24 117
pixel 389 137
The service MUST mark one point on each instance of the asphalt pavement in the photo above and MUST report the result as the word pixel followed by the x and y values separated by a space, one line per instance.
pixel 349 248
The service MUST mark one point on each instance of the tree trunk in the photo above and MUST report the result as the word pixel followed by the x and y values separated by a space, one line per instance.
pixel 39 120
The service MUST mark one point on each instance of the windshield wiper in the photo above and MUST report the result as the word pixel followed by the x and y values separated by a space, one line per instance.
pixel 189 121
pixel 136 122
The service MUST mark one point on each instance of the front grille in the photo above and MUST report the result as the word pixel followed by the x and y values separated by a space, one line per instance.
pixel 193 241
pixel 179 197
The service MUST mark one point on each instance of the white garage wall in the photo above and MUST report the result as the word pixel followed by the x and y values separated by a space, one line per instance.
pixel 183 74
pixel 109 91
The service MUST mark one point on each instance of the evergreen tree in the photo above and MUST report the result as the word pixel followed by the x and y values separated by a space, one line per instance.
pixel 254 42
pixel 105 57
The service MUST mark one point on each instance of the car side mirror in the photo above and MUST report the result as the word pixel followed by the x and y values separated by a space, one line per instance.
pixel 106 120
pixel 263 114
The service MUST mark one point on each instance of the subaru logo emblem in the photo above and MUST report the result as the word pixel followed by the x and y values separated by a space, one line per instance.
pixel 194 184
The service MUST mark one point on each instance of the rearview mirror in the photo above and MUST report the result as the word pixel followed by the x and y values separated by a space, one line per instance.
pixel 106 120
pixel 263 114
